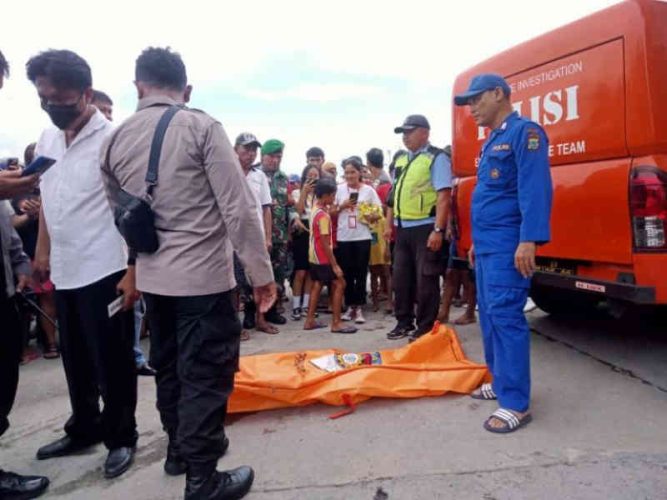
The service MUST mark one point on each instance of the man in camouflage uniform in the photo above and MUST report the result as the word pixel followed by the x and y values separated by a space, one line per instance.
pixel 283 213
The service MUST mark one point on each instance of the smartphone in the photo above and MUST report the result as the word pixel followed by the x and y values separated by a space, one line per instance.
pixel 354 197
pixel 39 165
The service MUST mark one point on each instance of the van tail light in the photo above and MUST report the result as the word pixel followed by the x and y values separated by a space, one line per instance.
pixel 648 208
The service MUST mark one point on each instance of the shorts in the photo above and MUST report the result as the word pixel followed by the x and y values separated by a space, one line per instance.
pixel 323 273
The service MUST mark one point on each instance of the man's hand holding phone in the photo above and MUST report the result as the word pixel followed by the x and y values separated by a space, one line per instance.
pixel 13 185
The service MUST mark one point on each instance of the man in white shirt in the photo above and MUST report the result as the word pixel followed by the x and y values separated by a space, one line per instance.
pixel 246 146
pixel 79 246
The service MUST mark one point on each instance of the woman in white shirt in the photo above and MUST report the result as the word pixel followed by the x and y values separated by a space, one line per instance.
pixel 354 236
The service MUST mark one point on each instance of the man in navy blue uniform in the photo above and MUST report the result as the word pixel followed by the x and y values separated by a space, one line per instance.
pixel 511 206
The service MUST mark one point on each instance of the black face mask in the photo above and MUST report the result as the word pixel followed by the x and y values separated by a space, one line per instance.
pixel 62 115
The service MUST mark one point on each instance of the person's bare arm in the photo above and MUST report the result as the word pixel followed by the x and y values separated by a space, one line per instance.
pixel 442 207
pixel 267 218
pixel 13 185
pixel 328 251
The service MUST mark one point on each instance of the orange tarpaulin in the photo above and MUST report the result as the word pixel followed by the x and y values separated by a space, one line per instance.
pixel 431 366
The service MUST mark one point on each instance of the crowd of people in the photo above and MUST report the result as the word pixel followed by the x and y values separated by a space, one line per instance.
pixel 229 240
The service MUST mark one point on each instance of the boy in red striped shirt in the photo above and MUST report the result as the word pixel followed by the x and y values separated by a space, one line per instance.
pixel 324 270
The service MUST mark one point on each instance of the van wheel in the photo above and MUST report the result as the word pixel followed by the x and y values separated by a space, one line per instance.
pixel 562 302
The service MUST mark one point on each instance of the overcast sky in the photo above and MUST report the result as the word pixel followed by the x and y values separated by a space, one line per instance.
pixel 337 74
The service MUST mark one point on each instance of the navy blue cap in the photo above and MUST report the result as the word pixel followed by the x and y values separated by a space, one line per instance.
pixel 412 122
pixel 482 83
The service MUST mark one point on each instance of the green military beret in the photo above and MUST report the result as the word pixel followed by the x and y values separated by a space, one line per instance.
pixel 272 146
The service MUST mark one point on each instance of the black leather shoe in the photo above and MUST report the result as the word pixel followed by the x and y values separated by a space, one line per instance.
pixel 399 332
pixel 226 485
pixel 63 447
pixel 174 465
pixel 17 487
pixel 145 370
pixel 118 461
pixel 275 318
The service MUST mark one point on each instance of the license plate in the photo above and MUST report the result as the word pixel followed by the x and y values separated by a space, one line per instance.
pixel 556 266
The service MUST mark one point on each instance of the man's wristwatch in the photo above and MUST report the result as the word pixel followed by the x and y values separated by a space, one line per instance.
pixel 438 230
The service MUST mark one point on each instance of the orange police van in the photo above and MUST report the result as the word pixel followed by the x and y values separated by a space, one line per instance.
pixel 598 86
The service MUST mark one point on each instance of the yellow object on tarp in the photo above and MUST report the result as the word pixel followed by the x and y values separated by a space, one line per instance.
pixel 431 366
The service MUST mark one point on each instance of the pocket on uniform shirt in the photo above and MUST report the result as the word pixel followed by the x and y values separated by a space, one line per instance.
pixel 498 171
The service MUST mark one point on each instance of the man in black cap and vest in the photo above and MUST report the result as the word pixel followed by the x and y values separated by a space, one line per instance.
pixel 420 203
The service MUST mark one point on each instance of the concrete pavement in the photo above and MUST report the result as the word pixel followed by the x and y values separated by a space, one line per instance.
pixel 598 431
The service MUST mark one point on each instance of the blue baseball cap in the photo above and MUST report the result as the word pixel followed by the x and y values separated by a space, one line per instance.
pixel 482 83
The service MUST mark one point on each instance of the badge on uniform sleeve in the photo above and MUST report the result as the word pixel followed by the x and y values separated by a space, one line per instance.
pixel 533 139
pixel 495 173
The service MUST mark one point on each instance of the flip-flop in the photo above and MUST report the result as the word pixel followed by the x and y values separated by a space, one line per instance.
pixel 512 422
pixel 485 393
pixel 464 321
pixel 347 329
pixel 51 352
pixel 317 326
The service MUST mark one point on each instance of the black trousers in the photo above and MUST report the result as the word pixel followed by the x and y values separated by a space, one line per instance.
pixel 97 353
pixel 416 277
pixel 353 257
pixel 195 343
pixel 10 358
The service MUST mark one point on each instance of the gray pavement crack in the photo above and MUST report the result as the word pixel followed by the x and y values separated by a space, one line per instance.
pixel 615 368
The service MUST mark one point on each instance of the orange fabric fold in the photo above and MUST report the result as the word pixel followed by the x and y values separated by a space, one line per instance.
pixel 431 366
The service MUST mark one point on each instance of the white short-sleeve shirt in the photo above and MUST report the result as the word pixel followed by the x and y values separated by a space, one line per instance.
pixel 259 185
pixel 85 244
pixel 354 230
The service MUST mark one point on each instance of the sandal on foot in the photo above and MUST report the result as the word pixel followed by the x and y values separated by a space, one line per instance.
pixel 316 326
pixel 485 393
pixel 511 420
pixel 51 352
pixel 245 335
pixel 347 329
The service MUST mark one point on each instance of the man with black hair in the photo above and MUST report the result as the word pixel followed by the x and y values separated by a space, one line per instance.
pixel 315 157
pixel 104 103
pixel 375 160
pixel 80 248
pixel 14 263
pixel 204 210
pixel 420 209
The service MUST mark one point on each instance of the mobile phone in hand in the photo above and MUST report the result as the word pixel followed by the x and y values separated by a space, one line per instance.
pixel 39 165
pixel 354 197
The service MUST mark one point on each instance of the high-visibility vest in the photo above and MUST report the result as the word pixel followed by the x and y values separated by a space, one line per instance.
pixel 414 195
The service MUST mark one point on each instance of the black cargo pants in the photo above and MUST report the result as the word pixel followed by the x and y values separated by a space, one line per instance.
pixel 416 277
pixel 195 344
